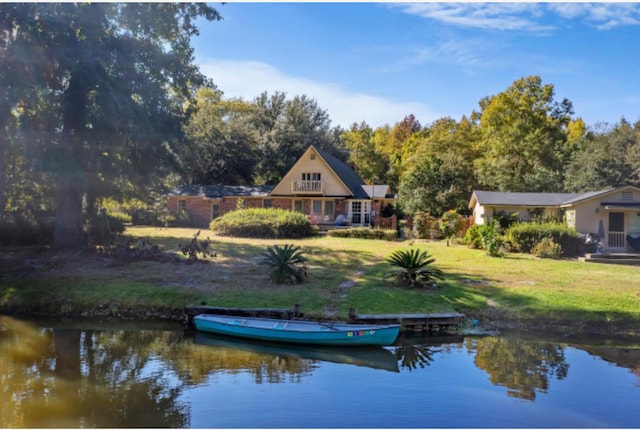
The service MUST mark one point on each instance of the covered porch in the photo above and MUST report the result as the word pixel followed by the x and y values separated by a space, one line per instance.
pixel 619 228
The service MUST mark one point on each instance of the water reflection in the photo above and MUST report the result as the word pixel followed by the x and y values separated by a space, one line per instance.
pixel 113 377
pixel 523 367
pixel 71 378
pixel 372 357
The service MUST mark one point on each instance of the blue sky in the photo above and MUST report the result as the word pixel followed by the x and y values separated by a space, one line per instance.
pixel 378 62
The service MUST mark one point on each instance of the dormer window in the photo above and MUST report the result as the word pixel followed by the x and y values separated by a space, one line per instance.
pixel 311 176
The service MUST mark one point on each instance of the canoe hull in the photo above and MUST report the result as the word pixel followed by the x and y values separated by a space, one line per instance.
pixel 297 332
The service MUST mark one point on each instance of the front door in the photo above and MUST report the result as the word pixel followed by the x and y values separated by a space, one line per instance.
pixel 356 213
pixel 616 238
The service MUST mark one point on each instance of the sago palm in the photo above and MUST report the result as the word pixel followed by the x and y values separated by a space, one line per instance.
pixel 417 269
pixel 287 263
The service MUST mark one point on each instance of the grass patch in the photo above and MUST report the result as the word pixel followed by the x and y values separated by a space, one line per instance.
pixel 344 273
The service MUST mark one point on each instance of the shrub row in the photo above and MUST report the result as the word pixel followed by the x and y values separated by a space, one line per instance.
pixel 15 230
pixel 262 223
pixel 364 233
pixel 524 237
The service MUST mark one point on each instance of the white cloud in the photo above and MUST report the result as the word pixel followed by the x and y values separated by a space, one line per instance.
pixel 497 16
pixel 248 79
pixel 603 16
pixel 527 16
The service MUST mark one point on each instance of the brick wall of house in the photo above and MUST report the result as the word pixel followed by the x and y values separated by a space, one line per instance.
pixel 199 211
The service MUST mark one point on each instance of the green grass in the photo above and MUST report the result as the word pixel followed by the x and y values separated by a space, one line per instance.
pixel 520 287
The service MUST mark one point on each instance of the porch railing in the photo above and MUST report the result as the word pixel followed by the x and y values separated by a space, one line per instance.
pixel 617 240
pixel 307 186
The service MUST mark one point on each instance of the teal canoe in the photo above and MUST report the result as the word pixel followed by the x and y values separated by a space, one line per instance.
pixel 300 332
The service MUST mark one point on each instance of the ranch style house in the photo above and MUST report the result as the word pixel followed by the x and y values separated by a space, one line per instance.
pixel 326 189
pixel 613 215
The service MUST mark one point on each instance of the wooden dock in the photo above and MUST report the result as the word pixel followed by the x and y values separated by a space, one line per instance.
pixel 434 322
pixel 283 314
pixel 431 323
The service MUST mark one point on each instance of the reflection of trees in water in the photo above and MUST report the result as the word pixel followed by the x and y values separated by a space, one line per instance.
pixel 72 378
pixel 411 357
pixel 115 378
pixel 523 367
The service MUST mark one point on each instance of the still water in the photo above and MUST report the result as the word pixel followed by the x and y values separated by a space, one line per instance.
pixel 87 374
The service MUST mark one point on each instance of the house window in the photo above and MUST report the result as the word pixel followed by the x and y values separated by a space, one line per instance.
pixel 328 209
pixel 298 206
pixel 627 196
pixel 266 203
pixel 182 206
pixel 312 156
pixel 215 210
pixel 311 176
pixel 316 207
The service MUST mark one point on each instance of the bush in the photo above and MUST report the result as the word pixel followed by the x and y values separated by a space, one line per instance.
pixel 547 248
pixel 106 226
pixel 364 233
pixel 472 237
pixel 262 223
pixel 17 230
pixel 426 226
pixel 525 236
pixel 491 238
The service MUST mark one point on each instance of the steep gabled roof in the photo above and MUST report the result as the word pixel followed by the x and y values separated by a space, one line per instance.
pixel 346 173
pixel 213 191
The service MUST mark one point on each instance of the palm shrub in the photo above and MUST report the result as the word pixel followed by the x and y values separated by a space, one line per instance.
pixel 287 264
pixel 416 269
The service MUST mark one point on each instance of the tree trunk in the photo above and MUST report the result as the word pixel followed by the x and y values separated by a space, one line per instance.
pixel 71 177
pixel 69 216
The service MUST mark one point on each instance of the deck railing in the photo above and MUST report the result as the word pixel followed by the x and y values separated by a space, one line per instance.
pixel 617 240
pixel 307 186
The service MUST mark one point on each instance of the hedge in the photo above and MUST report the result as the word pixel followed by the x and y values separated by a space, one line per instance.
pixel 523 237
pixel 262 223
pixel 364 233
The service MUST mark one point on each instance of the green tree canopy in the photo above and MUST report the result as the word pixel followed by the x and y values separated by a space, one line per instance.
pixel 439 176
pixel 220 145
pixel 114 77
pixel 524 138
pixel 608 157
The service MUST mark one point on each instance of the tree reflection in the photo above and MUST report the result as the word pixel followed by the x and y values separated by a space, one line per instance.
pixel 69 378
pixel 115 378
pixel 523 367
pixel 411 357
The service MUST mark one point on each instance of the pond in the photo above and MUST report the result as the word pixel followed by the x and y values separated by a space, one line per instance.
pixel 89 374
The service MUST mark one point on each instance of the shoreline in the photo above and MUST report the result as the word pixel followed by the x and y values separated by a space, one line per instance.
pixel 477 323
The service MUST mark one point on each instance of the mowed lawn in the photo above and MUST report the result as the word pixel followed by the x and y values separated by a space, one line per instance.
pixel 343 274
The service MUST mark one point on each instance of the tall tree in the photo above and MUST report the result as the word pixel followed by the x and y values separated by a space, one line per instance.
pixel 439 175
pixel 285 128
pixel 606 158
pixel 219 148
pixel 117 75
pixel 368 162
pixel 524 138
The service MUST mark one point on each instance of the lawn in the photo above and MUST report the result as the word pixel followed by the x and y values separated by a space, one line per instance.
pixel 344 274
